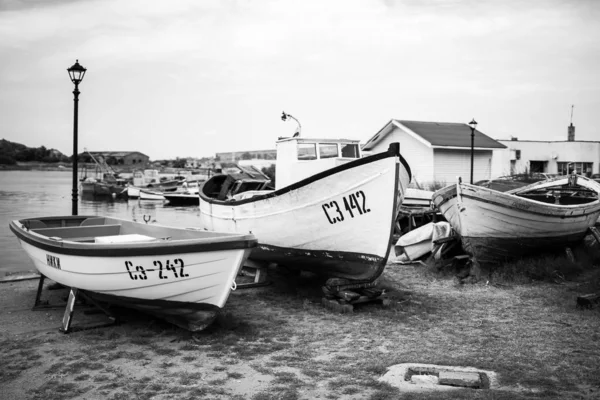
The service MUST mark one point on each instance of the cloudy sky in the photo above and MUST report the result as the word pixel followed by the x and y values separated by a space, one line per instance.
pixel 183 78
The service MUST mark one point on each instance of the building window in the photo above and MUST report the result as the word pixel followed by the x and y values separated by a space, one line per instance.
pixel 350 150
pixel 328 150
pixel 580 168
pixel 307 151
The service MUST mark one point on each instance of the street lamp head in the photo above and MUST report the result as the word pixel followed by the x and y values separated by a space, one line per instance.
pixel 76 72
pixel 283 116
pixel 473 124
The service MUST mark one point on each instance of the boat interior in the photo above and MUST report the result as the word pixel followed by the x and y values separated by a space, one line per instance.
pixel 225 187
pixel 110 230
pixel 561 195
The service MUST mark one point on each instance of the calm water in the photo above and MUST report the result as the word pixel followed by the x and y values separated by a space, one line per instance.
pixel 27 194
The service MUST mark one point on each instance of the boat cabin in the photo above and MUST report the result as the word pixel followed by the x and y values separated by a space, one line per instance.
pixel 229 186
pixel 298 157
pixel 146 177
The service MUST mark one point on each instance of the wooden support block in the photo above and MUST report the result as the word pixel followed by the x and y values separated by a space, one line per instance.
pixel 595 233
pixel 68 316
pixel 588 300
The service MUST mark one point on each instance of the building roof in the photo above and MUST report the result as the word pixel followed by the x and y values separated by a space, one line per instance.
pixel 438 134
pixel 115 153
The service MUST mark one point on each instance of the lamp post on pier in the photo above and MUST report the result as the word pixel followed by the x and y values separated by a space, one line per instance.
pixel 76 73
pixel 473 125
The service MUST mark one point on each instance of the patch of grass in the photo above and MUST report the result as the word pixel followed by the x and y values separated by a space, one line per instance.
pixel 234 375
pixel 188 359
pixel 553 268
pixel 82 377
pixel 102 378
pixel 189 378
pixel 165 351
pixel 277 393
pixel 56 390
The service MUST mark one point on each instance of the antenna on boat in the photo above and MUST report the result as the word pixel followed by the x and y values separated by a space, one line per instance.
pixel 285 116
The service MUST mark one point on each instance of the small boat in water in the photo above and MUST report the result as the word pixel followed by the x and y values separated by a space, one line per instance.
pixel 186 195
pixel 150 180
pixel 544 216
pixel 332 212
pixel 147 194
pixel 181 275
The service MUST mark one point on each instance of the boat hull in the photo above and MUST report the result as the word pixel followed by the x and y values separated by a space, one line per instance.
pixel 182 199
pixel 337 223
pixel 101 189
pixel 495 226
pixel 151 195
pixel 185 283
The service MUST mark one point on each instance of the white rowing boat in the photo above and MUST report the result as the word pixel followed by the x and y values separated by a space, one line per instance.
pixel 182 275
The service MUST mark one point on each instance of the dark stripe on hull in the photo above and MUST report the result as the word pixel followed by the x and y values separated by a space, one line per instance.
pixel 329 263
pixel 182 200
pixel 190 316
pixel 493 250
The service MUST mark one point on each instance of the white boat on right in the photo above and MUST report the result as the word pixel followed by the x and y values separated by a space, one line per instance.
pixel 496 226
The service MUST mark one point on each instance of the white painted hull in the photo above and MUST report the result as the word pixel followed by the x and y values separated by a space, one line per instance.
pixel 150 195
pixel 336 223
pixel 178 280
pixel 133 192
pixel 496 226
pixel 417 198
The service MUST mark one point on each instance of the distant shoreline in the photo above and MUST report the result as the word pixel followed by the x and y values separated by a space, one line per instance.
pixel 36 166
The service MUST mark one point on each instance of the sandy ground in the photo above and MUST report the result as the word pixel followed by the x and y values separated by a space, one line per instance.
pixel 279 342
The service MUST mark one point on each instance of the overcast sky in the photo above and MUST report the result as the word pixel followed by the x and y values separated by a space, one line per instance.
pixel 188 78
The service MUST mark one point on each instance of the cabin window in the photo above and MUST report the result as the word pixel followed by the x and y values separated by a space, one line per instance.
pixel 328 150
pixel 350 150
pixel 307 151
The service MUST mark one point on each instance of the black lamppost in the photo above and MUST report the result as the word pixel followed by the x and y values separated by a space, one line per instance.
pixel 76 73
pixel 473 125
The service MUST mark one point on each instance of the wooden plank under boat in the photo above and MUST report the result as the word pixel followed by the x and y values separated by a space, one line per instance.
pixel 496 226
pixel 337 221
pixel 182 275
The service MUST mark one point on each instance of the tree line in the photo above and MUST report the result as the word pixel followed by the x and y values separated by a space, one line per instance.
pixel 11 153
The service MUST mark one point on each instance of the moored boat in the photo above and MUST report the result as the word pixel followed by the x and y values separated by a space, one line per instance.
pixel 146 194
pixel 332 212
pixel 150 179
pixel 496 226
pixel 182 275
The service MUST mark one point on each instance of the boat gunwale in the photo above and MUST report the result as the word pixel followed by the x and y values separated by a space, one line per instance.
pixel 393 151
pixel 178 246
pixel 555 210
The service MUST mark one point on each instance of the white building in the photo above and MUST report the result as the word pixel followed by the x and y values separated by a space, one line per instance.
pixel 439 152
pixel 553 157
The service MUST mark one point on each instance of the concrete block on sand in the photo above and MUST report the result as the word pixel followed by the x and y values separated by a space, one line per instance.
pixel 462 379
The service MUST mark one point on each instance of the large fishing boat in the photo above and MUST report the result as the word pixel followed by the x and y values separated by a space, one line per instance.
pixel 332 212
